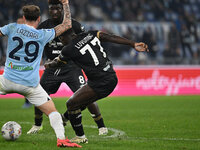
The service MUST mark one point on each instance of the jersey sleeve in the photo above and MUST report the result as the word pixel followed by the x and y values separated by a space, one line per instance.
pixel 49 34
pixel 95 33
pixel 77 27
pixel 67 51
pixel 5 30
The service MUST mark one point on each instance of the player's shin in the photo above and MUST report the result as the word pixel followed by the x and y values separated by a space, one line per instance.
pixel 66 115
pixel 96 115
pixel 99 120
pixel 75 120
pixel 57 124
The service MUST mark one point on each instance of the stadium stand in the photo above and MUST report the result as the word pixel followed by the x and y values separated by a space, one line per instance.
pixel 169 27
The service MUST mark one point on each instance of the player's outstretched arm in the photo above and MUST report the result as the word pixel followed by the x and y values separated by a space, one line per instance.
pixel 66 24
pixel 105 37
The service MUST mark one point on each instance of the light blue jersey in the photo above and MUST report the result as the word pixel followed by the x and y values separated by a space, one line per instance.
pixel 24 52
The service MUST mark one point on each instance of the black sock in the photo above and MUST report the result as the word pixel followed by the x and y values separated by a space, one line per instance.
pixel 38 121
pixel 99 121
pixel 66 115
pixel 38 117
pixel 26 101
pixel 75 118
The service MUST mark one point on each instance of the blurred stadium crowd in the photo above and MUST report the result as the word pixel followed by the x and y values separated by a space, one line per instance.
pixel 169 27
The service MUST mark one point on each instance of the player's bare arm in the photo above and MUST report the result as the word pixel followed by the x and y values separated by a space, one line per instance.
pixel 66 24
pixel 55 63
pixel 105 37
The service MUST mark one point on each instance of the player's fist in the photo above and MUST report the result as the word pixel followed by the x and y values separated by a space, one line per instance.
pixel 64 1
pixel 141 47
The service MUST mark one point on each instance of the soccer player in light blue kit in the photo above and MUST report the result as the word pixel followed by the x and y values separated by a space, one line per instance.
pixel 24 52
pixel 21 72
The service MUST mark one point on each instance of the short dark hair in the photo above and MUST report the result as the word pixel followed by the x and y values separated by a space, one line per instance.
pixel 54 2
pixel 31 12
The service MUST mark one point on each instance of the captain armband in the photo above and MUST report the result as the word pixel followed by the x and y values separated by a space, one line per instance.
pixel 98 34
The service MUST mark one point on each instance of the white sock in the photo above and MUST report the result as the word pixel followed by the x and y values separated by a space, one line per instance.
pixel 57 124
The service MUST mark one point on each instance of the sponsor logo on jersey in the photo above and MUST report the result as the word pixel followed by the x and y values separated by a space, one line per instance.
pixel 10 65
pixel 20 68
pixel 56 51
pixel 106 68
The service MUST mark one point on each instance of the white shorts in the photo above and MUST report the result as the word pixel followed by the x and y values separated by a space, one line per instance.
pixel 36 95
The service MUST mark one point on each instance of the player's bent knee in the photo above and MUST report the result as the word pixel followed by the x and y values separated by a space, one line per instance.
pixel 47 107
pixel 69 104
pixel 72 105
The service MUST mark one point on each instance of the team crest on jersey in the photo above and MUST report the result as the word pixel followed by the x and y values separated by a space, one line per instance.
pixel 48 30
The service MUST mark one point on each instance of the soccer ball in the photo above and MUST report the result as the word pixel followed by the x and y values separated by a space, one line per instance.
pixel 11 130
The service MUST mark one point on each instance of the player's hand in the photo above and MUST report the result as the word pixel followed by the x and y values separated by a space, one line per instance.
pixel 51 64
pixel 141 47
pixel 64 1
pixel 55 63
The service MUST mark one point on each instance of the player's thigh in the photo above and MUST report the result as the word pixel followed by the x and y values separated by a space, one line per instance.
pixel 81 98
pixel 36 95
pixel 2 85
pixel 75 79
pixel 7 86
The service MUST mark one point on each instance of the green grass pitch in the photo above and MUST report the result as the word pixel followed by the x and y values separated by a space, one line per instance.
pixel 135 123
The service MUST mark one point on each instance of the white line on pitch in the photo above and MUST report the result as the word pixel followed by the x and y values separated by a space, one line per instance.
pixel 164 139
pixel 118 133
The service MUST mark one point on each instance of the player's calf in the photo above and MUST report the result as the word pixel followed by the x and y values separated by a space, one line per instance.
pixel 100 123
pixel 64 119
pixel 76 122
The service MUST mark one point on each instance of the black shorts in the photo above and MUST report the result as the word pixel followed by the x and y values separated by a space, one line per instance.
pixel 53 77
pixel 104 85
